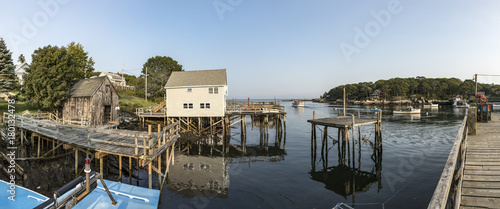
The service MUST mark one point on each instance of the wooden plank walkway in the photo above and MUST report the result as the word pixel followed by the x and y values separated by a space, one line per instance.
pixel 342 122
pixel 119 142
pixel 481 182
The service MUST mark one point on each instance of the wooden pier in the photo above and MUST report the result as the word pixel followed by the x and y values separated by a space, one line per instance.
pixel 344 125
pixel 146 148
pixel 236 112
pixel 346 178
pixel 471 177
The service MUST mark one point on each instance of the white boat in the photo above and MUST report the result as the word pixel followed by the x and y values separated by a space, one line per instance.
pixel 460 104
pixel 410 110
pixel 298 103
pixel 431 106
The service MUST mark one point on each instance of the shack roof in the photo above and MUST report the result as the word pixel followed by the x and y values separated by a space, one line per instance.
pixel 86 87
pixel 197 78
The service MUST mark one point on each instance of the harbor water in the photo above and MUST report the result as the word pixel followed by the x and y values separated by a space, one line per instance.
pixel 287 175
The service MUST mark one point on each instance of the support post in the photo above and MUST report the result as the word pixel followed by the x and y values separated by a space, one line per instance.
pixel 101 165
pixel 76 162
pixel 130 170
pixel 159 156
pixel 120 167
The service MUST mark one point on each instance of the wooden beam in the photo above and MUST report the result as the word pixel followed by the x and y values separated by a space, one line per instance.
pixel 52 150
pixel 100 154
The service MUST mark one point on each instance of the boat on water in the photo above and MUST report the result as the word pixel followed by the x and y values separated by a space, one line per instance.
pixel 460 104
pixel 298 103
pixel 89 192
pixel 15 196
pixel 410 110
pixel 431 106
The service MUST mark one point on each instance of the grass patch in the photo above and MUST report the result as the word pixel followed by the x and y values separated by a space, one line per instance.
pixel 129 102
pixel 20 107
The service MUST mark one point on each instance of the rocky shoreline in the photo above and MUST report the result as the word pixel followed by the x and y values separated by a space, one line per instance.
pixel 384 102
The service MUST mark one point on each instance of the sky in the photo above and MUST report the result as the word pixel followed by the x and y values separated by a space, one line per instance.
pixel 271 49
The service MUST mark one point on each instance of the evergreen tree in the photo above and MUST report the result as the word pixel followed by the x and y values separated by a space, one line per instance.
pixel 21 59
pixel 8 79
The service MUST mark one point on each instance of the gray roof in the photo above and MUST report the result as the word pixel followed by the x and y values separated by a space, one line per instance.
pixel 197 78
pixel 114 76
pixel 86 87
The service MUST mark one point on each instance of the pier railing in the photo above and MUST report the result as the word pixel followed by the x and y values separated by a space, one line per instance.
pixel 447 193
pixel 246 109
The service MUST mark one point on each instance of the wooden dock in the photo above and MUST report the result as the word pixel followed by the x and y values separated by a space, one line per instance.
pixel 146 148
pixel 481 181
pixel 471 177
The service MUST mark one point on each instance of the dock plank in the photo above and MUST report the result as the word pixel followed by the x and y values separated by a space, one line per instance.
pixel 80 136
pixel 488 202
pixel 481 180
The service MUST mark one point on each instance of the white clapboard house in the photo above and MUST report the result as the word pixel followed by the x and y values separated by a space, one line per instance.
pixel 200 93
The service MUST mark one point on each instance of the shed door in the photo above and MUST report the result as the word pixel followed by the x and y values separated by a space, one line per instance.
pixel 107 114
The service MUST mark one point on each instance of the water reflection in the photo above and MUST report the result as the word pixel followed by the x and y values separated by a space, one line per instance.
pixel 345 178
pixel 202 167
pixel 199 174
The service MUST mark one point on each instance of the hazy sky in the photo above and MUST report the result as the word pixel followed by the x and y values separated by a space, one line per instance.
pixel 278 48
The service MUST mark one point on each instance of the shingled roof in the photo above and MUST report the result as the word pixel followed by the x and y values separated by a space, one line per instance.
pixel 86 87
pixel 197 78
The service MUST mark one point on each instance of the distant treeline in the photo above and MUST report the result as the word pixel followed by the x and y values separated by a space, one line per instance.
pixel 394 88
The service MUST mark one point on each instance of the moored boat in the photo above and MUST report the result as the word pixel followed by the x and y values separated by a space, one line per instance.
pixel 410 110
pixel 460 104
pixel 15 196
pixel 298 103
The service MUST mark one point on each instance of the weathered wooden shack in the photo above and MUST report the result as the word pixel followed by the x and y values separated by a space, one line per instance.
pixel 91 102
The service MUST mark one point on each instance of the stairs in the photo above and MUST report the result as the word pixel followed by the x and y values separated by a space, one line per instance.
pixel 160 106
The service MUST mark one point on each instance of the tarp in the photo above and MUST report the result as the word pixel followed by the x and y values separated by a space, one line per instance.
pixel 126 196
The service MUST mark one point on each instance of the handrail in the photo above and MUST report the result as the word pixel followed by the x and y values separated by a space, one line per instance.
pixel 456 158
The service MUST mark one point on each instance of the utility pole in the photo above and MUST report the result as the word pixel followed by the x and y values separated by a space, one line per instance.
pixel 146 83
pixel 475 82
pixel 344 102
pixel 123 83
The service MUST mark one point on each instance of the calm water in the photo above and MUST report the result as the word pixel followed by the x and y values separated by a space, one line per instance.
pixel 414 152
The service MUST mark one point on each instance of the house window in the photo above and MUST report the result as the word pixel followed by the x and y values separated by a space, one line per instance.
pixel 190 90
pixel 204 105
pixel 213 90
pixel 107 88
pixel 187 105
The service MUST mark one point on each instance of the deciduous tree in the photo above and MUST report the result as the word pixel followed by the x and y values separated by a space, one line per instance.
pixel 159 69
pixel 52 72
